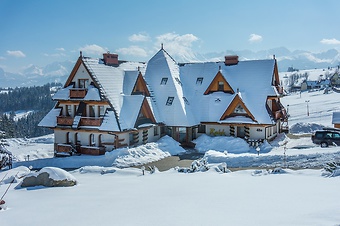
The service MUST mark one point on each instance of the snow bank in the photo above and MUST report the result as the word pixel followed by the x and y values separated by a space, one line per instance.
pixel 221 143
pixel 304 127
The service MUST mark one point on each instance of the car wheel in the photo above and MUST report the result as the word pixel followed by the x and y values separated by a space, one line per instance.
pixel 324 145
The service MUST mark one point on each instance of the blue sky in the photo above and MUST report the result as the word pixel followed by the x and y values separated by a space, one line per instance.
pixel 43 31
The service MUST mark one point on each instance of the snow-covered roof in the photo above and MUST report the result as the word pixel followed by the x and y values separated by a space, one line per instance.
pixel 50 120
pixel 168 98
pixel 252 80
pixel 64 94
pixel 111 81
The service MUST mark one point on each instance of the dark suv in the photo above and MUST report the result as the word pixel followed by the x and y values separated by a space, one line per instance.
pixel 327 136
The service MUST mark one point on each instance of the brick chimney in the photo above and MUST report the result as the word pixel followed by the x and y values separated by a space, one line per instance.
pixel 231 60
pixel 110 59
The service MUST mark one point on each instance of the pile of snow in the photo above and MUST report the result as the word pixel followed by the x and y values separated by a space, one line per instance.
pixel 304 127
pixel 221 144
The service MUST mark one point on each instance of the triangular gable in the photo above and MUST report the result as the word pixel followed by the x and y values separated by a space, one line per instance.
pixel 216 86
pixel 237 108
pixel 140 86
pixel 145 115
pixel 73 72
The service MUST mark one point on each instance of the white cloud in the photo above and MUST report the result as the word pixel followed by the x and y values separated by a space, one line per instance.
pixel 332 41
pixel 93 49
pixel 15 53
pixel 178 45
pixel 133 50
pixel 139 38
pixel 255 38
pixel 60 49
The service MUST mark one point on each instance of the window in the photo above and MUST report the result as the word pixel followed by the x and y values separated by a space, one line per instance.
pixel 101 111
pixel 239 109
pixel 91 111
pixel 68 110
pixel 155 131
pixel 83 83
pixel 199 81
pixel 220 86
pixel 201 128
pixel 169 101
pixel 164 81
pixel 92 142
pixel 336 135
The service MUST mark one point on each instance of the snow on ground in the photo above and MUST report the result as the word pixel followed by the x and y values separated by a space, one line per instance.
pixel 105 194
pixel 126 197
pixel 20 114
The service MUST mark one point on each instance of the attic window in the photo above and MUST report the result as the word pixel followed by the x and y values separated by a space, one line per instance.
pixel 199 81
pixel 186 100
pixel 164 81
pixel 239 109
pixel 169 101
pixel 220 86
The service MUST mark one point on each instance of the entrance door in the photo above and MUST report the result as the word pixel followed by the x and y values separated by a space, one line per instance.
pixel 240 132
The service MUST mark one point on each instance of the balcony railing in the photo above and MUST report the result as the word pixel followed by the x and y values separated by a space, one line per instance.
pixel 78 93
pixel 90 121
pixel 64 120
pixel 92 150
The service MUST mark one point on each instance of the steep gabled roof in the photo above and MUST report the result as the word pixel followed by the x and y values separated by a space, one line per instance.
pixel 214 85
pixel 168 97
pixel 231 110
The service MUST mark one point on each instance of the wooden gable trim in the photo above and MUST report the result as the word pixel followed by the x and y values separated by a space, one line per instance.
pixel 73 72
pixel 234 103
pixel 146 110
pixel 140 86
pixel 213 87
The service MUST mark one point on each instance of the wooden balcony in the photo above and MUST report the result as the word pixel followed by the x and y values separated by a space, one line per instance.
pixel 64 120
pixel 92 150
pixel 78 93
pixel 90 121
pixel 63 148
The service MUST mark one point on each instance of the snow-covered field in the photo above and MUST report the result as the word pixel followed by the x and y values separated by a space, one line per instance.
pixel 106 194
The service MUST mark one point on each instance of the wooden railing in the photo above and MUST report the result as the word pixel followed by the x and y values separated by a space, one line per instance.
pixel 78 92
pixel 90 121
pixel 92 150
pixel 64 120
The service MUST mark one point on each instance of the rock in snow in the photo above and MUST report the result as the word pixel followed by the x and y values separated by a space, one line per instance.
pixel 49 177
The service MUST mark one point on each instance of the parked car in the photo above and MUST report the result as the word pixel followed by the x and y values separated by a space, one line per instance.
pixel 326 137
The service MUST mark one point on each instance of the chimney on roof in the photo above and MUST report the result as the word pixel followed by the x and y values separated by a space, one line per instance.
pixel 110 59
pixel 231 60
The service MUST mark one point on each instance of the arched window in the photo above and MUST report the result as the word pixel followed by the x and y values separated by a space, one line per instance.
pixel 92 141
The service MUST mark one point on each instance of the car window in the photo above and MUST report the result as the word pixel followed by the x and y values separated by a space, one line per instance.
pixel 329 135
pixel 319 135
pixel 336 135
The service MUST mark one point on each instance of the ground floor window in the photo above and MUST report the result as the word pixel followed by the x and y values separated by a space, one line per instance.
pixel 201 128
pixel 155 131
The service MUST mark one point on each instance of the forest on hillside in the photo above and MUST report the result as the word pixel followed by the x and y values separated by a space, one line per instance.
pixel 36 99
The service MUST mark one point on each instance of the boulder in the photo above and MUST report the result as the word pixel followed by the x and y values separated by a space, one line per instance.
pixel 49 177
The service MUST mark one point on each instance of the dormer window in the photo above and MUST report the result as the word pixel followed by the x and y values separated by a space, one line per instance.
pixel 169 101
pixel 164 81
pixel 199 81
